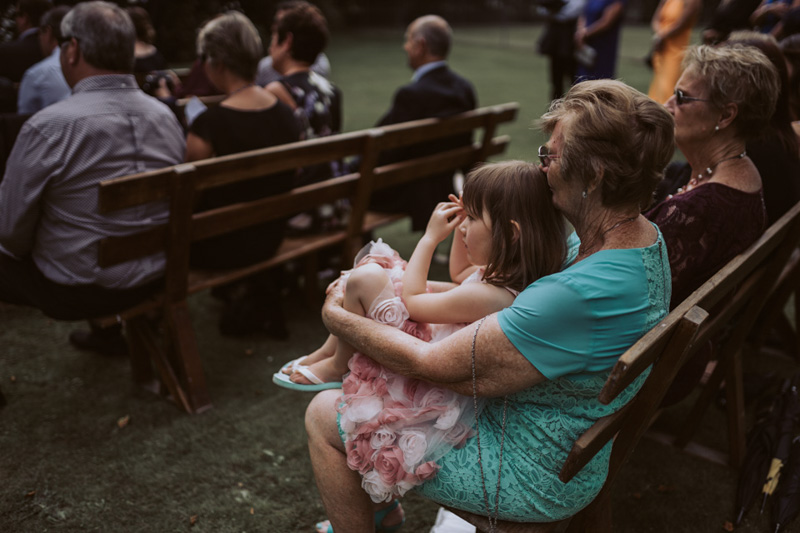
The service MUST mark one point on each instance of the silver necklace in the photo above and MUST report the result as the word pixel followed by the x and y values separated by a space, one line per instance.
pixel 708 172
pixel 492 519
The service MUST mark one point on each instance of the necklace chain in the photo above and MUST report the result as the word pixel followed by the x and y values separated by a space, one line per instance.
pixel 709 171
pixel 492 519
pixel 240 89
pixel 618 224
pixel 582 249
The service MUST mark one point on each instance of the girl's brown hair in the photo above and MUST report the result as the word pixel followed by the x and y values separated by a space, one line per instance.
pixel 517 191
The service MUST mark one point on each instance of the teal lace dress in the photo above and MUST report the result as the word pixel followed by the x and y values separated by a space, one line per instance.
pixel 572 326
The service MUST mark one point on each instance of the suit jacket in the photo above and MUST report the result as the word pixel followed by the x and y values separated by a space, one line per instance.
pixel 438 93
pixel 17 56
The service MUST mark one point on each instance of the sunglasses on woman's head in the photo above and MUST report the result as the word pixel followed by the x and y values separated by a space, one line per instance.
pixel 681 98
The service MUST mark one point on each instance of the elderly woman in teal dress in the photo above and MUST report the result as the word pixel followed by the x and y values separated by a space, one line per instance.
pixel 540 363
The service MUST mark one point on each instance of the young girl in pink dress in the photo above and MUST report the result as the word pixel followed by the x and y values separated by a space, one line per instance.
pixel 396 427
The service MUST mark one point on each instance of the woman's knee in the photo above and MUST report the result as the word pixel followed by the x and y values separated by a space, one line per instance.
pixel 321 417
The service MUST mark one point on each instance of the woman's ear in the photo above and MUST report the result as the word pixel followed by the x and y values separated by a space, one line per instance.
pixel 729 113
pixel 517 231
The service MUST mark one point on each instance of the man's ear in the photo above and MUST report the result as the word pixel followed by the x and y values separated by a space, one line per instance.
pixel 517 231
pixel 288 40
pixel 72 52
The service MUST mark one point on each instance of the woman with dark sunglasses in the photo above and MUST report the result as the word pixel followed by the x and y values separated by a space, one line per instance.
pixel 725 97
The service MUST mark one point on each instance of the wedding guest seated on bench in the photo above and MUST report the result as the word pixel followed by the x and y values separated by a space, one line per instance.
pixel 266 71
pixel 725 97
pixel 49 221
pixel 249 118
pixel 44 84
pixel 435 91
pixel 549 353
pixel 299 34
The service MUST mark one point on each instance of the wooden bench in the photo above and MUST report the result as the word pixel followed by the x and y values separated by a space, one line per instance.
pixel 172 348
pixel 756 284
pixel 732 300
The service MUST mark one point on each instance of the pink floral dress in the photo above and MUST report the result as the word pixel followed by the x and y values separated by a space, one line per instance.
pixel 394 427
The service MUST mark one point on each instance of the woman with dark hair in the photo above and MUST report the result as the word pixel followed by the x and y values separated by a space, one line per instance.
pixel 790 47
pixel 147 57
pixel 299 35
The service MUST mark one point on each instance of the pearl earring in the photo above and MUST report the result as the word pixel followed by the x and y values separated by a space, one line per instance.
pixel 584 194
pixel 716 128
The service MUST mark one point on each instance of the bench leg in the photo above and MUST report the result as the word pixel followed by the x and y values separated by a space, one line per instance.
pixel 797 324
pixel 734 390
pixel 186 357
pixel 151 351
pixel 707 394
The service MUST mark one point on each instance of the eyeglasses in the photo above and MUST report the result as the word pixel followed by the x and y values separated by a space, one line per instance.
pixel 681 98
pixel 545 157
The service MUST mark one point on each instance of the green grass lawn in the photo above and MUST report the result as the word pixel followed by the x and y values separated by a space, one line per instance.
pixel 67 465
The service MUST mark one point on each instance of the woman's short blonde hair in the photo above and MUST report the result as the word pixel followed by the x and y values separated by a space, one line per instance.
pixel 231 40
pixel 615 135
pixel 742 75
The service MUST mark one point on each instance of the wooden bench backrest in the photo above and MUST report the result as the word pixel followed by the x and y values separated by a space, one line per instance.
pixel 735 295
pixel 180 185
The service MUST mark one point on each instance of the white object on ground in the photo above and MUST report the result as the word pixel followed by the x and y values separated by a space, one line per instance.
pixel 447 522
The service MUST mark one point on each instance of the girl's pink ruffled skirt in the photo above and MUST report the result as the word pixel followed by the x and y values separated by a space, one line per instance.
pixel 396 427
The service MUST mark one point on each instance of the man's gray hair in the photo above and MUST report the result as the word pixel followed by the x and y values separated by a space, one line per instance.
pixel 436 33
pixel 105 34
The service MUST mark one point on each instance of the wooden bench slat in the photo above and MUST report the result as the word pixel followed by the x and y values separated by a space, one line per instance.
pixel 257 163
pixel 404 171
pixel 418 131
pixel 146 187
pixel 137 189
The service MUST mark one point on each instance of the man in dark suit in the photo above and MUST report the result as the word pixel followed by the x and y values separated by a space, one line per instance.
pixel 435 91
pixel 17 56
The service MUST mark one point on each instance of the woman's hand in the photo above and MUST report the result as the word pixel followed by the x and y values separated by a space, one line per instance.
pixel 444 220
pixel 337 283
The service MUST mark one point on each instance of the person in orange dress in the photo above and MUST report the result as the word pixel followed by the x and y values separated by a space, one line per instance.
pixel 672 26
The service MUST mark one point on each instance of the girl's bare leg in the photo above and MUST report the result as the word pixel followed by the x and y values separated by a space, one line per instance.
pixel 366 283
pixel 349 508
pixel 327 349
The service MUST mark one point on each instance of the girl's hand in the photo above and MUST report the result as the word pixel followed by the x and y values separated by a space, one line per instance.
pixel 444 220
pixel 457 199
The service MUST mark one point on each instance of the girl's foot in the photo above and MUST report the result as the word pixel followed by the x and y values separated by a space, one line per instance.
pixel 389 518
pixel 323 352
pixel 326 371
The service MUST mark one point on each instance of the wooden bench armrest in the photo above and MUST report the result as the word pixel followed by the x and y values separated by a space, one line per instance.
pixel 591 442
